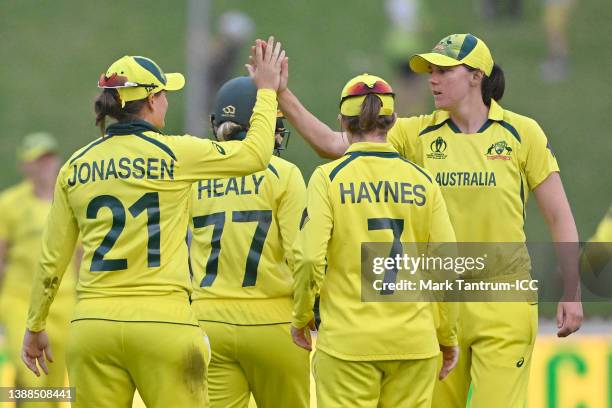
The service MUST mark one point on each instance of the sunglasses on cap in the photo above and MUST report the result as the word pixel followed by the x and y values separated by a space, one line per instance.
pixel 118 81
pixel 361 89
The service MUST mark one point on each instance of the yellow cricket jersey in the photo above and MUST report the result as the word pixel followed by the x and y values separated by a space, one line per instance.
pixel 485 177
pixel 128 193
pixel 243 231
pixel 22 219
pixel 371 194
pixel 604 229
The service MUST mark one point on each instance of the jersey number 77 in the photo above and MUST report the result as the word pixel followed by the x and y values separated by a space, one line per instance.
pixel 263 218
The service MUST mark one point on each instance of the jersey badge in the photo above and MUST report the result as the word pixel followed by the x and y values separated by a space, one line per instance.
pixel 437 147
pixel 499 150
pixel 219 148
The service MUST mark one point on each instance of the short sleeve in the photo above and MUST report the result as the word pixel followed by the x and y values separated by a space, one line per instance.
pixel 538 157
pixel 404 138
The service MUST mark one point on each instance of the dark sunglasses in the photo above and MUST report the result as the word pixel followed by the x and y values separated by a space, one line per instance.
pixel 117 81
pixel 361 89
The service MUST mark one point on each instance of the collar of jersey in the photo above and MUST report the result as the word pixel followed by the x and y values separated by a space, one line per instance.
pixel 496 113
pixel 371 147
pixel 130 128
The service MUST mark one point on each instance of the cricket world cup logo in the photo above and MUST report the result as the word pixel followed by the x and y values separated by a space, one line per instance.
pixel 437 147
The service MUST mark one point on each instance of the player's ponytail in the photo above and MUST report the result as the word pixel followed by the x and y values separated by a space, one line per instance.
pixel 226 130
pixel 368 119
pixel 109 104
pixel 493 86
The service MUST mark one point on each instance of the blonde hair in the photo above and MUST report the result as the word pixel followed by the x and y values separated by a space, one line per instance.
pixel 227 129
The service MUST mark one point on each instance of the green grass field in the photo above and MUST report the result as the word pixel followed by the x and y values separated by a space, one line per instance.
pixel 53 53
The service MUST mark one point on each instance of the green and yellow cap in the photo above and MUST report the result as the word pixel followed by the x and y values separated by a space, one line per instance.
pixel 36 145
pixel 456 49
pixel 355 91
pixel 137 77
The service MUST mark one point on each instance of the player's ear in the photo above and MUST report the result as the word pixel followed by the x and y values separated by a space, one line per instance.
pixel 477 77
pixel 151 101
pixel 394 119
pixel 341 122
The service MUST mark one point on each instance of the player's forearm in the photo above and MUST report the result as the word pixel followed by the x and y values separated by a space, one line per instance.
pixel 303 302
pixel 320 137
pixel 3 253
pixel 307 278
pixel 46 284
pixel 59 240
pixel 447 330
pixel 259 141
pixel 291 210
pixel 564 234
pixel 558 216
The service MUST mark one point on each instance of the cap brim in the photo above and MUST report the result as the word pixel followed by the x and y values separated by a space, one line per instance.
pixel 35 153
pixel 420 63
pixel 174 82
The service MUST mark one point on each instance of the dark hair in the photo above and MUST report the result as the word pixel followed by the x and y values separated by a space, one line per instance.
pixel 368 119
pixel 493 86
pixel 109 104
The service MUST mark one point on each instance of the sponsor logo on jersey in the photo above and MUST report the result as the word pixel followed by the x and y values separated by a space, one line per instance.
pixel 499 150
pixel 437 147
pixel 229 111
pixel 520 363
pixel 219 148
pixel 305 218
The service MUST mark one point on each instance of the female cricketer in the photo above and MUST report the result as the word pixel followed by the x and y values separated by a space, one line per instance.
pixel 127 194
pixel 486 159
pixel 369 354
pixel 23 213
pixel 243 230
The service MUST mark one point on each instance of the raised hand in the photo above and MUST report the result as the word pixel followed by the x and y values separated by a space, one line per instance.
pixel 284 75
pixel 265 64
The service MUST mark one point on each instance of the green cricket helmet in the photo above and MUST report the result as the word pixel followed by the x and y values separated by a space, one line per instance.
pixel 235 102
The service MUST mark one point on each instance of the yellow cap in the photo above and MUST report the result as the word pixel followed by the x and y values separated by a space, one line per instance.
pixel 456 49
pixel 137 77
pixel 36 145
pixel 355 91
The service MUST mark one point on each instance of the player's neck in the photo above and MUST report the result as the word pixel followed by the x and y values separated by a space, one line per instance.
pixel 470 115
pixel 372 137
